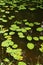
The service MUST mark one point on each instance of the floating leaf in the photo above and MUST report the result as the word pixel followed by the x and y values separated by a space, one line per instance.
pixel 4 16
pixel 15 53
pixel 23 30
pixel 39 29
pixel 36 23
pixel 11 33
pixel 7 42
pixel 36 38
pixel 32 9
pixel 21 7
pixel 26 23
pixel 22 63
pixel 41 38
pixel 6 60
pixel 41 49
pixel 8 37
pixel 14 27
pixel 15 46
pixel 31 24
pixel 2 10
pixel 29 38
pixel 30 46
pixel 4 20
pixel 25 20
pixel 28 28
pixel 7 12
pixel 5 34
pixel 21 35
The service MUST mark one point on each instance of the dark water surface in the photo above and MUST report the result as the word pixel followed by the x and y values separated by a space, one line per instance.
pixel 32 16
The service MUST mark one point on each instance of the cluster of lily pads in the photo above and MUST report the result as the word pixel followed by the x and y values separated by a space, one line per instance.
pixel 22 6
pixel 34 38
pixel 15 52
pixel 11 47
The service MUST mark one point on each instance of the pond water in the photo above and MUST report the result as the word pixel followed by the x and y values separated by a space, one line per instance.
pixel 29 56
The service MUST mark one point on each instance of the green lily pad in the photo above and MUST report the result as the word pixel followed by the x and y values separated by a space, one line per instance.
pixel 41 38
pixel 29 38
pixel 22 63
pixel 4 16
pixel 14 27
pixel 30 46
pixel 15 53
pixel 7 12
pixel 5 34
pixel 39 29
pixel 31 24
pixel 32 9
pixel 15 46
pixel 36 38
pixel 11 33
pixel 36 23
pixel 4 20
pixel 6 60
pixel 2 10
pixel 41 49
pixel 21 35
pixel 28 28
pixel 25 20
pixel 21 7
pixel 23 30
pixel 7 43
pixel 26 23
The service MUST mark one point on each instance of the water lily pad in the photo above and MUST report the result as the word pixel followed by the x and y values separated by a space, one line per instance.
pixel 4 16
pixel 36 38
pixel 22 63
pixel 36 23
pixel 18 22
pixel 28 28
pixel 21 7
pixel 4 20
pixel 16 11
pixel 26 23
pixel 7 43
pixel 8 37
pixel 15 53
pixel 14 27
pixel 29 38
pixel 6 60
pixel 2 10
pixel 2 30
pixel 5 34
pixel 21 35
pixel 11 17
pixel 23 30
pixel 7 12
pixel 11 33
pixel 31 24
pixel 39 29
pixel 41 38
pixel 32 9
pixel 25 20
pixel 15 46
pixel 30 46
